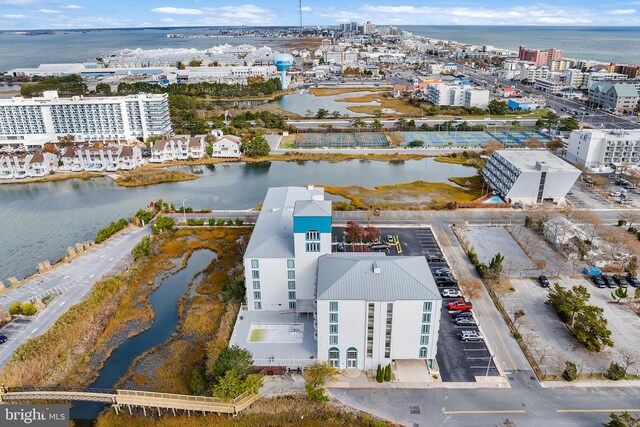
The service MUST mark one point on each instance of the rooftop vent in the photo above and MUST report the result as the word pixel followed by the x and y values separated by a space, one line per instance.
pixel 310 187
pixel 376 268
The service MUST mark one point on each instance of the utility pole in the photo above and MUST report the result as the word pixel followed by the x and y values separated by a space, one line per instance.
pixel 184 212
pixel 300 10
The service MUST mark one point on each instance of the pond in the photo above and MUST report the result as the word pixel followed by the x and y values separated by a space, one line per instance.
pixel 40 221
pixel 302 101
pixel 164 302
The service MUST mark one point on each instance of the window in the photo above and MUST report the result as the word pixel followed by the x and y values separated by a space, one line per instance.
pixel 292 284
pixel 333 339
pixel 426 317
pixel 291 263
pixel 387 340
pixel 292 294
pixel 255 274
pixel 333 317
pixel 291 274
pixel 424 339
pixel 352 358
pixel 370 318
pixel 254 263
pixel 425 329
pixel 257 305
pixel 423 353
pixel 426 306
pixel 334 357
pixel 313 235
pixel 333 306
pixel 313 247
pixel 333 329
pixel 292 305
pixel 256 284
pixel 256 295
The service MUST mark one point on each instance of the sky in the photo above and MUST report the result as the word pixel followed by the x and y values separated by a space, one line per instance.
pixel 64 14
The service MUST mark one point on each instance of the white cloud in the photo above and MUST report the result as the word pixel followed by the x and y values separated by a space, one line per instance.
pixel 306 9
pixel 621 12
pixel 11 16
pixel 49 11
pixel 244 14
pixel 72 6
pixel 177 10
pixel 19 2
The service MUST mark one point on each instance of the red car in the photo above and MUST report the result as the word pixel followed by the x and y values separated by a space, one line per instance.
pixel 460 305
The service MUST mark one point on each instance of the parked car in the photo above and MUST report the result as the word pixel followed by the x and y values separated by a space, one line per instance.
pixel 434 258
pixel 460 305
pixel 450 293
pixel 3 339
pixel 470 336
pixel 464 321
pixel 621 281
pixel 611 283
pixel 615 194
pixel 461 313
pixel 598 281
pixel 446 281
pixel 633 281
pixel 442 272
pixel 544 282
pixel 389 238
pixel 379 247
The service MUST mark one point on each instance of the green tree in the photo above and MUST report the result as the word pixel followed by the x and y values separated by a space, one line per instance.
pixel 554 144
pixel 255 147
pixel 498 108
pixel 232 385
pixel 335 114
pixel 357 123
pixel 590 328
pixel 619 294
pixel 387 373
pixel 569 123
pixel 401 123
pixel 198 381
pixel 615 372
pixel 15 308
pixel 233 290
pixel 316 377
pixel 142 249
pixel 570 372
pixel 550 118
pixel 622 420
pixel 376 125
pixel 103 89
pixel 28 309
pixel 495 267
pixel 163 223
pixel 232 357
pixel 322 113
pixel 144 216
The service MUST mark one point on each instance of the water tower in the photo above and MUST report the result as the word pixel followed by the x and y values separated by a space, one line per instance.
pixel 283 61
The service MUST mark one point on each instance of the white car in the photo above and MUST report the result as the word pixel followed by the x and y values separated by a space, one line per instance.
pixel 616 194
pixel 451 293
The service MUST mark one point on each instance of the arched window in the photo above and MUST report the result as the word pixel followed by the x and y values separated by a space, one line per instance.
pixel 423 353
pixel 334 357
pixel 352 358
pixel 313 235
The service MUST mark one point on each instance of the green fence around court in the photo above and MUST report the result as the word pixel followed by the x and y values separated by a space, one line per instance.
pixel 427 139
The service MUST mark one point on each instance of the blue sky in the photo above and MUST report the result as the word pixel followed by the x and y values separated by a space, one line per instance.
pixel 32 14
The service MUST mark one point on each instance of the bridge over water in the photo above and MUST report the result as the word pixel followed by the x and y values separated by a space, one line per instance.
pixel 128 399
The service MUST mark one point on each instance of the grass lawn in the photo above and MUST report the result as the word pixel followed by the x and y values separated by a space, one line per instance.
pixel 288 141
pixel 329 91
pixel 417 195
pixel 398 105
pixel 149 175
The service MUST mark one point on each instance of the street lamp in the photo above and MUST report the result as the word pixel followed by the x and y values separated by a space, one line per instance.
pixel 184 211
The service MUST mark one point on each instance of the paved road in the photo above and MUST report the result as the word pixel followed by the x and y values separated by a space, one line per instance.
pixel 71 282
pixel 343 123
pixel 525 404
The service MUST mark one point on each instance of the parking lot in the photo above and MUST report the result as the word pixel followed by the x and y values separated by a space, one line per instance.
pixel 457 361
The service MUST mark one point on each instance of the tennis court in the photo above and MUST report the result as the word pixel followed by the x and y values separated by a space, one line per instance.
pixel 341 140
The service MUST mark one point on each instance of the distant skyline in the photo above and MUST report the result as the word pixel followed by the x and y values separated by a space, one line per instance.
pixel 77 14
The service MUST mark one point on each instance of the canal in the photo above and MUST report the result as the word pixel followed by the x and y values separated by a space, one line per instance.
pixel 40 221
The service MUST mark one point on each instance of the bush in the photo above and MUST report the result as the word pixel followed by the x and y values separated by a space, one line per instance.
pixel 110 230
pixel 15 308
pixel 220 222
pixel 233 290
pixel 517 335
pixel 235 358
pixel 379 374
pixel 528 221
pixel 238 221
pixel 212 221
pixel 229 222
pixel 163 223
pixel 142 249
pixel 387 373
pixel 315 394
pixel 28 309
pixel 195 222
pixel 621 222
pixel 197 381
pixel 144 216
pixel 570 372
pixel 615 372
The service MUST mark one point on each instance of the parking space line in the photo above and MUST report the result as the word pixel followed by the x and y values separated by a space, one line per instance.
pixel 596 410
pixel 504 411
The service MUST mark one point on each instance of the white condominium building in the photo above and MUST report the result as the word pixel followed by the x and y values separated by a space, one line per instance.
pixel 27 165
pixel 457 95
pixel 178 148
pixel 529 176
pixel 87 118
pixel 227 146
pixel 598 148
pixel 99 159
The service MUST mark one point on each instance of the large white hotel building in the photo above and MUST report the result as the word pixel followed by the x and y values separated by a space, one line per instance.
pixel 87 118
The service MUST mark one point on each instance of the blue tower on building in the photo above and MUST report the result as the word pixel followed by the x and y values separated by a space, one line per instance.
pixel 282 62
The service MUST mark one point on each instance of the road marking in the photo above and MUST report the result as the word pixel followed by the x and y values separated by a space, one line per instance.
pixel 91 277
pixel 110 258
pixel 596 410
pixel 34 330
pixel 65 277
pixel 506 411
pixel 63 303
pixel 103 255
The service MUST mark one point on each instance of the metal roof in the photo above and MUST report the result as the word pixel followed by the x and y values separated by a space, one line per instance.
pixel 354 277
pixel 312 208
pixel 272 235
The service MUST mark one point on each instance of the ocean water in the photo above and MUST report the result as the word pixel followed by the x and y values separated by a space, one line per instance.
pixel 608 44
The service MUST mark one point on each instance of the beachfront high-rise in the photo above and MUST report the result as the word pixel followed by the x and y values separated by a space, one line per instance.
pixel 87 118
